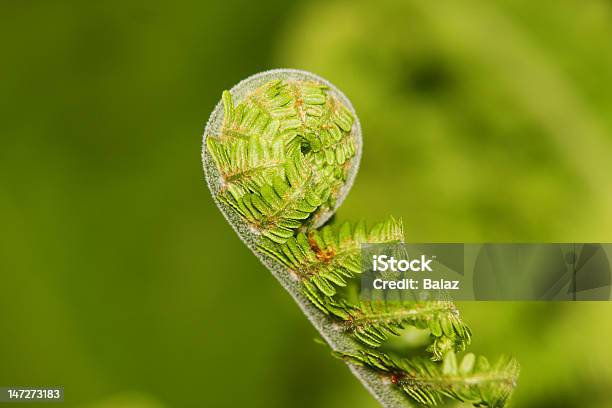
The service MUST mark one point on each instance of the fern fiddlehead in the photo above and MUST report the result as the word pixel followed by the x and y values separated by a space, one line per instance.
pixel 281 151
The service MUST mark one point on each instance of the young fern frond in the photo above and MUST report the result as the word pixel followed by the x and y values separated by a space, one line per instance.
pixel 326 258
pixel 472 380
pixel 281 204
pixel 328 137
pixel 248 164
pixel 373 321
pixel 261 115
pixel 277 162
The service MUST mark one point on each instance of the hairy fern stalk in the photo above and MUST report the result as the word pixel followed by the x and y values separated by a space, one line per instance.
pixel 281 151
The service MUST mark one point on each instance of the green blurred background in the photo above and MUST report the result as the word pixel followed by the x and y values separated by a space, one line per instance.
pixel 483 121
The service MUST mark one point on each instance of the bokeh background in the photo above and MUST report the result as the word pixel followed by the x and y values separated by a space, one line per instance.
pixel 483 121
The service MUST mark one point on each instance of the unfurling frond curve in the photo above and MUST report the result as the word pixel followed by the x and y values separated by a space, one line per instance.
pixel 281 155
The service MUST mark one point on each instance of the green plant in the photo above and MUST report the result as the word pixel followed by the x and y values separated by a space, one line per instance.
pixel 281 152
